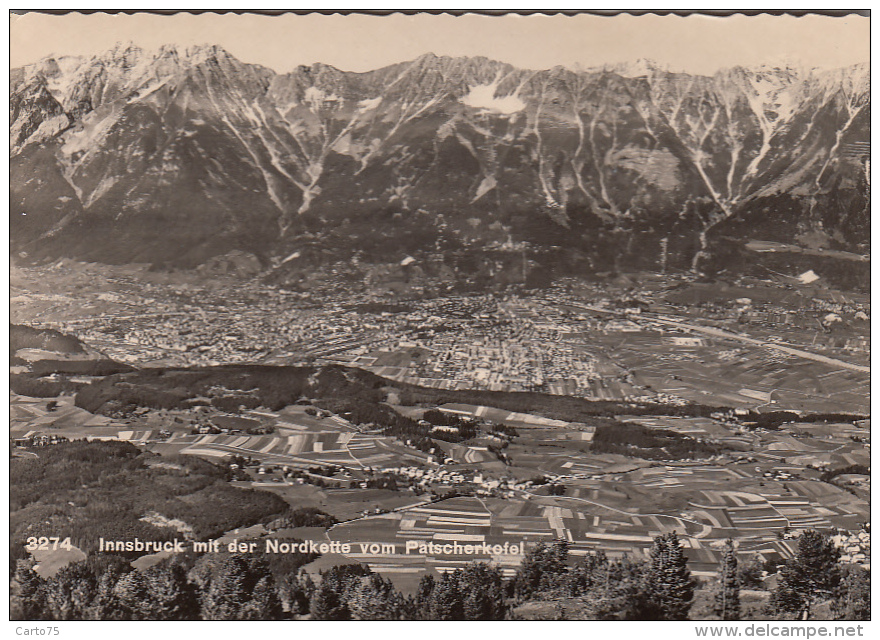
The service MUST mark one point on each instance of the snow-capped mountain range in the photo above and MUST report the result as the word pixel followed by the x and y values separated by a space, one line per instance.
pixel 179 155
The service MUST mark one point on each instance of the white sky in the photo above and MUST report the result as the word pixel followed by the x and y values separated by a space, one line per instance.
pixel 699 44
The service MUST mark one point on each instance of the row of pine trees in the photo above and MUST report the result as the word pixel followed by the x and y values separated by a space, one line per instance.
pixel 243 587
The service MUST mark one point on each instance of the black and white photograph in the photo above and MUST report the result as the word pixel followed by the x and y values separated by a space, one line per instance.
pixel 426 316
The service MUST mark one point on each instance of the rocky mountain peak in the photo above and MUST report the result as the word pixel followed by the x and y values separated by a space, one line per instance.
pixel 639 68
pixel 125 54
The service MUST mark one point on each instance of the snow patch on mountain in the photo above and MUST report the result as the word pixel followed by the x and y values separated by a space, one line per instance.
pixel 317 98
pixel 483 96
pixel 369 104
pixel 103 187
pixel 148 91
pixel 488 183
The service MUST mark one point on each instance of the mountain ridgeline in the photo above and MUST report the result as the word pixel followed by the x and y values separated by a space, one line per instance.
pixel 175 157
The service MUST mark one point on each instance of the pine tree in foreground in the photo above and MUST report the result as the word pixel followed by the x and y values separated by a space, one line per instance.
pixel 376 599
pixel 541 569
pixel 853 598
pixel 445 601
pixel 727 597
pixel 295 592
pixel 240 588
pixel 171 595
pixel 669 582
pixel 327 605
pixel 482 592
pixel 27 599
pixel 812 576
pixel 69 594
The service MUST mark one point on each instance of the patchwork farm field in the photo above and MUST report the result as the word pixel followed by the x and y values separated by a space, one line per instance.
pixel 298 440
pixel 306 450
pixel 704 504
pixel 33 415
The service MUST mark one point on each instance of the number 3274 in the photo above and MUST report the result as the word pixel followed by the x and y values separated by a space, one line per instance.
pixel 48 544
